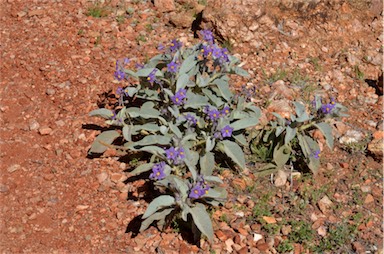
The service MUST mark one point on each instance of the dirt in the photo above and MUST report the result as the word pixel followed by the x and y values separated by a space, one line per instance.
pixel 57 64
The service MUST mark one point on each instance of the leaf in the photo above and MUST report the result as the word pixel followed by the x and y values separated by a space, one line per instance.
pixel 216 193
pixel 240 71
pixel 106 137
pixel 102 112
pixel 151 127
pixel 156 216
pixel 207 163
pixel 188 64
pixel 244 123
pixel 209 144
pixel 216 101
pixel 127 133
pixel 181 186
pixel 211 178
pixel 327 132
pixel 281 155
pixel 191 159
pixel 146 71
pixel 233 151
pixel 223 86
pixel 153 139
pixel 289 135
pixel 195 101
pixel 241 139
pixel 142 168
pixel 158 203
pixel 202 220
pixel 182 81
pixel 152 149
pixel 175 130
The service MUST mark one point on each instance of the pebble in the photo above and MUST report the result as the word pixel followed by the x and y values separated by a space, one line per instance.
pixel 325 204
pixel 351 136
pixel 33 125
pixel 45 130
pixel 13 168
pixel 50 91
pixel 102 177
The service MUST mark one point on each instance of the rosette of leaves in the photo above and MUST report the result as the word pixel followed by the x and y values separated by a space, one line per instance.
pixel 182 112
pixel 284 140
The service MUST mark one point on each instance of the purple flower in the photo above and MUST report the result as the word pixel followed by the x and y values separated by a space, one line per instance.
pixel 126 60
pixel 226 131
pixel 139 66
pixel 191 119
pixel 315 154
pixel 201 188
pixel 171 153
pixel 207 35
pixel 327 108
pixel 213 114
pixel 175 45
pixel 206 50
pixel 152 76
pixel 158 171
pixel 172 67
pixel 179 97
pixel 225 111
pixel 220 54
pixel 161 47
pixel 181 154
pixel 119 75
pixel 217 135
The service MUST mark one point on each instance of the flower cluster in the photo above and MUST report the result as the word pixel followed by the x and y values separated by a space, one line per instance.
pixel 175 45
pixel 199 189
pixel 327 108
pixel 179 97
pixel 152 76
pixel 175 155
pixel 214 114
pixel 119 72
pixel 158 171
pixel 212 49
pixel 191 119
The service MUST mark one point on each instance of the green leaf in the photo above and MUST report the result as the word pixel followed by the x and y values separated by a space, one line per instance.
pixel 106 137
pixel 127 132
pixel 158 203
pixel 191 159
pixel 156 216
pixel 102 112
pixel 327 132
pixel 209 144
pixel 244 123
pixel 223 86
pixel 175 130
pixel 240 139
pixel 181 186
pixel 216 193
pixel 210 178
pixel 233 151
pixel 202 220
pixel 240 71
pixel 182 81
pixel 152 149
pixel 195 101
pixel 216 101
pixel 202 81
pixel 281 155
pixel 207 163
pixel 146 71
pixel 142 168
pixel 289 135
pixel 188 64
pixel 153 139
pixel 151 127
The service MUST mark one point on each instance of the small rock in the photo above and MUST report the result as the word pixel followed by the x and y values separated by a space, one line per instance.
pixel 183 19
pixel 33 125
pixel 45 130
pixel 21 14
pixel 358 247
pixel 4 188
pixel 257 237
pixel 229 243
pixel 165 5
pixel 13 168
pixel 351 136
pixel 269 220
pixel 38 12
pixel 281 178
pixel 322 231
pixel 286 229
pixel 241 199
pixel 50 91
pixel 102 177
pixel 369 199
pixel 365 188
pixel 81 207
pixel 325 204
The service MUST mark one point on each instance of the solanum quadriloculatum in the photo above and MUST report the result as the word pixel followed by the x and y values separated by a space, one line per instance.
pixel 180 109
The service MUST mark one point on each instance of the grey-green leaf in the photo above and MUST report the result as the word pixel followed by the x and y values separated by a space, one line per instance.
pixel 106 137
pixel 202 220
pixel 233 151
pixel 244 123
pixel 102 112
pixel 289 135
pixel 142 168
pixel 327 132
pixel 207 163
pixel 156 216
pixel 158 203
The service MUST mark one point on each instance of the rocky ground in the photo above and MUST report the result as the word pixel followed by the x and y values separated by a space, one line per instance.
pixel 57 64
